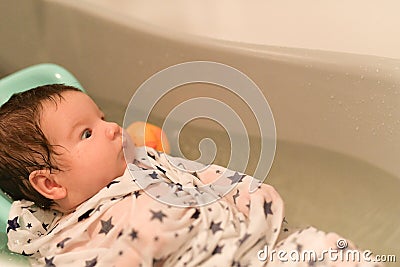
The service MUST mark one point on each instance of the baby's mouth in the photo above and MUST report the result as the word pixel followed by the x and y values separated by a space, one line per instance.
pixel 128 147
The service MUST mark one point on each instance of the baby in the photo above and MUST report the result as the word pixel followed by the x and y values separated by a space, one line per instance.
pixel 80 201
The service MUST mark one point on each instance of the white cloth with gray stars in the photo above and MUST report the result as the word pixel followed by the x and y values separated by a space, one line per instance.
pixel 158 214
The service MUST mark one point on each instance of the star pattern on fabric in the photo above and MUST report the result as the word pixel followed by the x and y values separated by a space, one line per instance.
pixel 133 234
pixel 156 261
pixel 137 193
pixel 13 224
pixel 157 215
pixel 311 263
pixel 161 169
pixel 32 210
pixel 244 238
pixel 215 227
pixel 236 178
pixel 238 264
pixel 49 262
pixel 85 215
pixel 299 247
pixel 45 225
pixel 98 207
pixel 179 187
pixel 150 155
pixel 120 234
pixel 61 244
pixel 235 196
pixel 196 214
pixel 25 254
pixel 106 226
pixel 267 208
pixel 212 220
pixel 153 175
pixel 91 263
pixel 111 183
pixel 217 250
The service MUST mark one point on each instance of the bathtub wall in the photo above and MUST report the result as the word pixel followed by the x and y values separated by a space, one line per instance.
pixel 343 102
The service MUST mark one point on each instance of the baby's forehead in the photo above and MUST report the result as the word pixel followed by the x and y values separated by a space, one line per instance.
pixel 67 109
pixel 70 99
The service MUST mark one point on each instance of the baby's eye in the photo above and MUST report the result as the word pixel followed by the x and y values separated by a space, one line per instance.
pixel 86 134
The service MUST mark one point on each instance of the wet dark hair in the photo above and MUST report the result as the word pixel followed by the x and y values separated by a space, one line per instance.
pixel 23 146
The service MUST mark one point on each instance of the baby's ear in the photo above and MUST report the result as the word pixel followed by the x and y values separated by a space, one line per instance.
pixel 43 181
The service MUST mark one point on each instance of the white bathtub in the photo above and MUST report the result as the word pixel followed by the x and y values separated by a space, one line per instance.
pixel 330 74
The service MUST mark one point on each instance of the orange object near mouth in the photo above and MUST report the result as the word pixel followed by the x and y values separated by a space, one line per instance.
pixel 147 134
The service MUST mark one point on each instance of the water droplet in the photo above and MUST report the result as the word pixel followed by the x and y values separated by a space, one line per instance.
pixel 332 97
pixel 362 77
pixel 309 84
pixel 339 102
pixel 357 128
pixel 378 82
pixel 383 101
pixel 377 70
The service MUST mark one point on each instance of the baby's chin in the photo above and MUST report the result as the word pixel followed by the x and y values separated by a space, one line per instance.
pixel 122 169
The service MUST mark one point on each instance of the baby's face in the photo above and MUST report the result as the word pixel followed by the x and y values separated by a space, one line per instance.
pixel 91 148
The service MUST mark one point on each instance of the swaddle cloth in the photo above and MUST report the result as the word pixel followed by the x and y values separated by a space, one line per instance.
pixel 161 214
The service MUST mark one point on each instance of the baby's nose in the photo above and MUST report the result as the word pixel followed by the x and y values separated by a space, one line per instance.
pixel 113 130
